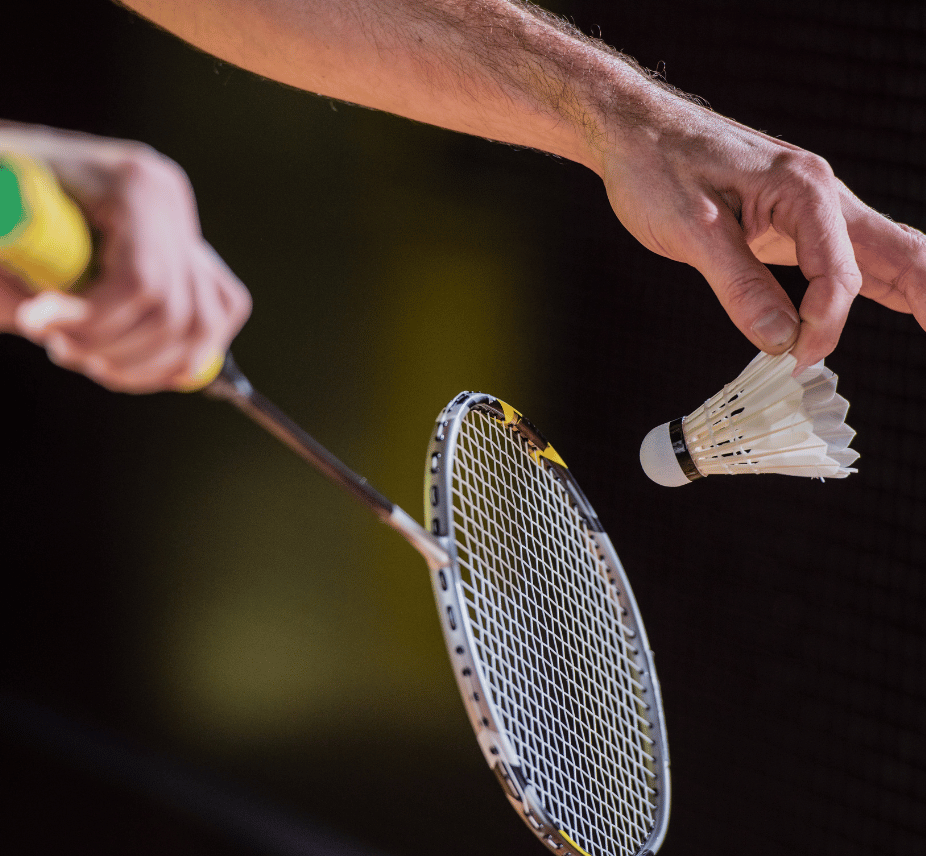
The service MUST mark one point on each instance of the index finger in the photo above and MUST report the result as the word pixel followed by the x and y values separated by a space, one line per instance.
pixel 826 258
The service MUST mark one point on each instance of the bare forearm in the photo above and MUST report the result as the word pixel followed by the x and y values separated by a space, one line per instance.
pixel 689 184
pixel 492 68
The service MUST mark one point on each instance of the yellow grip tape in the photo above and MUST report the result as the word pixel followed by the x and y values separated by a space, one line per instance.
pixel 50 247
pixel 204 375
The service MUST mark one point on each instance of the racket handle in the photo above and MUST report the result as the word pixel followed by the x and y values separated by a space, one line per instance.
pixel 46 242
pixel 44 238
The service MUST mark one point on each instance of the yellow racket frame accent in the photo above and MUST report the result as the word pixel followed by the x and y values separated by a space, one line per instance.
pixel 572 844
pixel 50 249
pixel 513 418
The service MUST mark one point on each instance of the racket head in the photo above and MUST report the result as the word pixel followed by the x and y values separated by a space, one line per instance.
pixel 545 637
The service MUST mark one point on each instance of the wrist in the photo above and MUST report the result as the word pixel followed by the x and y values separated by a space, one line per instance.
pixel 602 105
pixel 574 96
pixel 623 108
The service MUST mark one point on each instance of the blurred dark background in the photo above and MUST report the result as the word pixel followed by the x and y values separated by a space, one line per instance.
pixel 180 588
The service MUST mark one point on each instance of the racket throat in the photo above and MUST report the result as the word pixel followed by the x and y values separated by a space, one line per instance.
pixel 419 537
pixel 232 386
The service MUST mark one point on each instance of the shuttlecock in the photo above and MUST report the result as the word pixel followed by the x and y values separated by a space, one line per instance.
pixel 763 422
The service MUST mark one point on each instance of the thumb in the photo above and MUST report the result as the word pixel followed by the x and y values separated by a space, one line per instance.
pixel 748 292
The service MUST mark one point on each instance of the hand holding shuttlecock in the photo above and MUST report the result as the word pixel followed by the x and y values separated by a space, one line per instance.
pixel 766 421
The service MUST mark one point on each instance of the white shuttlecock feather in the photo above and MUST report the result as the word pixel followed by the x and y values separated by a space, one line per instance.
pixel 763 422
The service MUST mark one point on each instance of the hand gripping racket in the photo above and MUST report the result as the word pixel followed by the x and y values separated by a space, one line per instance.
pixel 544 636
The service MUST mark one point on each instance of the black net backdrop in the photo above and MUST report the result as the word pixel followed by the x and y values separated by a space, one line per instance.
pixel 787 615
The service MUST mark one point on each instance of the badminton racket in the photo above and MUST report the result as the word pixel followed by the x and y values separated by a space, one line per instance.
pixel 544 635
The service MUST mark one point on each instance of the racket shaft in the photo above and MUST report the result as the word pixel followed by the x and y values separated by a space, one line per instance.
pixel 35 256
pixel 232 386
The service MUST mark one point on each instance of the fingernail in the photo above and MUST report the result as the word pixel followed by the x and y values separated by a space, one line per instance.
pixel 32 316
pixel 50 308
pixel 775 329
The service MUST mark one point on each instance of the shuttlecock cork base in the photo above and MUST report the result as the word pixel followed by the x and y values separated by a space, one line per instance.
pixel 763 422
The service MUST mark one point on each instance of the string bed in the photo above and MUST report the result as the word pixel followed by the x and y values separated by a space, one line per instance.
pixel 556 646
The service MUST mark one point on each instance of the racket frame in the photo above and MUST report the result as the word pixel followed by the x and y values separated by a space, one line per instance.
pixel 438 548
pixel 447 583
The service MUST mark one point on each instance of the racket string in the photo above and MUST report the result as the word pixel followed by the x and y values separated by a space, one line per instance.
pixel 543 592
pixel 596 668
pixel 543 549
pixel 544 613
pixel 577 717
pixel 616 776
pixel 611 787
pixel 538 592
pixel 543 664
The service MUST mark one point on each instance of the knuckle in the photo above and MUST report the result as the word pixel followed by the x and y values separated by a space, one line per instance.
pixel 145 281
pixel 118 381
pixel 850 281
pixel 803 180
pixel 170 317
pixel 912 275
pixel 839 283
pixel 171 324
pixel 914 242
pixel 826 340
pixel 816 167
pixel 137 164
pixel 742 291
pixel 144 167
pixel 707 217
pixel 243 303
pixel 806 167
pixel 72 362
